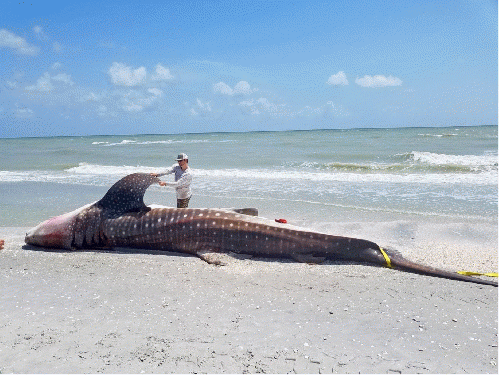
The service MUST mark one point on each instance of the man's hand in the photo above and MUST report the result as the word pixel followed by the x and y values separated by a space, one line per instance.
pixel 162 183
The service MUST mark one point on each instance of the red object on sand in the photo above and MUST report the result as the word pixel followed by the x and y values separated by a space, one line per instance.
pixel 284 221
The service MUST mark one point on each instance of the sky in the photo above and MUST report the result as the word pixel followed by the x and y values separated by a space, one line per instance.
pixel 166 67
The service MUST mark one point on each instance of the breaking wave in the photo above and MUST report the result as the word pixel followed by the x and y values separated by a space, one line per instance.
pixel 126 142
pixel 95 174
pixel 414 162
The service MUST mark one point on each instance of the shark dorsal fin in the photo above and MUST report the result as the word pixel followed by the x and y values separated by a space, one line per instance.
pixel 127 195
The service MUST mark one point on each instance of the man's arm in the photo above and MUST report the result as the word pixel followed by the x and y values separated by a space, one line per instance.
pixel 165 172
pixel 185 180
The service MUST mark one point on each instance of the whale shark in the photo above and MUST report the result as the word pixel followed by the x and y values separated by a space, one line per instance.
pixel 121 219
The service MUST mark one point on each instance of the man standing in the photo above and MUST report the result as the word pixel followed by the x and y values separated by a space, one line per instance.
pixel 183 179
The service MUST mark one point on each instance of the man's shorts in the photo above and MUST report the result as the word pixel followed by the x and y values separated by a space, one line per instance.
pixel 183 203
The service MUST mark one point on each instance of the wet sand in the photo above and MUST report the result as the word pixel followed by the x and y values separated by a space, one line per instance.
pixel 155 312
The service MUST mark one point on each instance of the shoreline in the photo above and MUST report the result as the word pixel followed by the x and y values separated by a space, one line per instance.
pixel 35 202
pixel 129 311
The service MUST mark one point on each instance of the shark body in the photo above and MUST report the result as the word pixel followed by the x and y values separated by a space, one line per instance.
pixel 121 219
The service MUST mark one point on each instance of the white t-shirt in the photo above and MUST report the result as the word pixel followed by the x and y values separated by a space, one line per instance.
pixel 182 182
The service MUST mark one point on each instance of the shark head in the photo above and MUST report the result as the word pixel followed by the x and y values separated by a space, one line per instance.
pixel 57 232
pixel 77 228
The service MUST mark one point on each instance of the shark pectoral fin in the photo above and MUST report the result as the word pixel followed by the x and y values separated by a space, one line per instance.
pixel 210 257
pixel 246 211
pixel 307 258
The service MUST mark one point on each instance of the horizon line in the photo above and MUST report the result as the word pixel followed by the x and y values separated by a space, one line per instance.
pixel 252 131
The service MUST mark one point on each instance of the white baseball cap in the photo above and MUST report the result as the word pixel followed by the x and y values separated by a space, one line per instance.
pixel 181 157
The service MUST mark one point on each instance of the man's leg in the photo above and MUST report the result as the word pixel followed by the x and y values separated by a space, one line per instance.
pixel 183 203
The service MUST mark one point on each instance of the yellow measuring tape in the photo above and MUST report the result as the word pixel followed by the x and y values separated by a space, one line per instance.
pixel 387 258
pixel 470 273
pixel 466 273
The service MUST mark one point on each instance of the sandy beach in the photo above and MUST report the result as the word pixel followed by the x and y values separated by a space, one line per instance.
pixel 154 312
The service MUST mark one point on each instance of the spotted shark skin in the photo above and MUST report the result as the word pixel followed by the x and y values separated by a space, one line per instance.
pixel 121 219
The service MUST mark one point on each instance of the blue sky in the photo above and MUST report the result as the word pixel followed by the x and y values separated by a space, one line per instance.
pixel 149 67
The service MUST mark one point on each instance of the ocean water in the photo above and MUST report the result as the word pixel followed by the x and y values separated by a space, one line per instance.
pixel 440 174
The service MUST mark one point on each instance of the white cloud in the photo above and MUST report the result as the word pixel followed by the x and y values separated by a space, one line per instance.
pixel 10 40
pixel 222 88
pixel 162 74
pixel 40 35
pixel 276 110
pixel 251 105
pixel 204 106
pixel 338 79
pixel 24 112
pixel 309 111
pixel 63 77
pixel 124 75
pixel 241 88
pixel 128 100
pixel 137 100
pixel 247 103
pixel 378 81
pixel 203 109
pixel 264 102
pixel 92 97
pixel 43 84
pixel 336 110
pixel 264 106
pixel 133 107
pixel 56 65
pixel 155 91
pixel 46 82
pixel 329 109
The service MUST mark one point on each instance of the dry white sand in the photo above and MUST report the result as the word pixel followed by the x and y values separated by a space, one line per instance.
pixel 134 312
